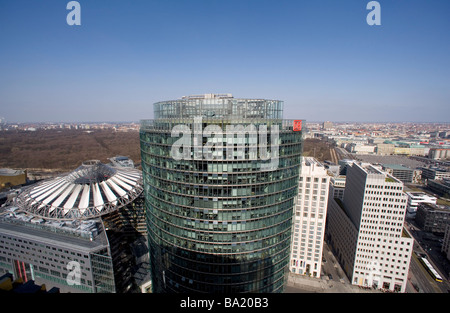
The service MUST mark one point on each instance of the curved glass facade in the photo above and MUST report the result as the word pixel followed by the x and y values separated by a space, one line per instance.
pixel 219 221
pixel 219 106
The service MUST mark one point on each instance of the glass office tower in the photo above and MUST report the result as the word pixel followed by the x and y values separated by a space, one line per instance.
pixel 220 177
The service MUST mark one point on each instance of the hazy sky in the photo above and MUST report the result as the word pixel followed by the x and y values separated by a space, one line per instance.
pixel 319 56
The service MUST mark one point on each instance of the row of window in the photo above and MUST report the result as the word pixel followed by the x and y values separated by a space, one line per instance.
pixel 27 244
pixel 51 262
pixel 219 215
pixel 392 187
pixel 220 178
pixel 228 154
pixel 34 252
pixel 218 107
pixel 249 239
pixel 272 239
pixel 227 167
pixel 221 191
pixel 160 133
pixel 192 271
pixel 238 202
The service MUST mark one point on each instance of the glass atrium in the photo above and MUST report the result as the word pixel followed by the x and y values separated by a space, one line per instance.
pixel 219 219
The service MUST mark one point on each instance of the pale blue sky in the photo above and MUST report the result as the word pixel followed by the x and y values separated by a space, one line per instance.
pixel 319 56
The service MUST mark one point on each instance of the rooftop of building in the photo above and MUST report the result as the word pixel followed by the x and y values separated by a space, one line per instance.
pixel 10 172
pixel 9 285
pixel 373 170
pixel 121 161
pixel 216 106
pixel 80 234
pixel 312 161
pixel 445 182
pixel 91 190
pixel 419 194
pixel 397 167
pixel 341 178
pixel 370 169
pixel 435 169
pixel 434 207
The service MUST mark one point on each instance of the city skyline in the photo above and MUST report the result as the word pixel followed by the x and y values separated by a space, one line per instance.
pixel 320 57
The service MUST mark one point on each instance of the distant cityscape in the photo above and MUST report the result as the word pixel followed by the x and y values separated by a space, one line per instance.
pixel 415 130
pixel 119 126
pixel 426 142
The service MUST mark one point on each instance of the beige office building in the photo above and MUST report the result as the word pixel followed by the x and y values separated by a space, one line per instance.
pixel 366 229
pixel 309 221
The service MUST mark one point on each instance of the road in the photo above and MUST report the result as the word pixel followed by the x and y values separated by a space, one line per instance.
pixel 418 275
pixel 330 266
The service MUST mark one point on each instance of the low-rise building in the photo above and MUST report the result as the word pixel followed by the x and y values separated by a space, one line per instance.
pixel 400 148
pixel 415 198
pixel 440 187
pixel 361 149
pixel 10 177
pixel 432 218
pixel 385 148
pixel 405 174
pixel 434 173
pixel 439 153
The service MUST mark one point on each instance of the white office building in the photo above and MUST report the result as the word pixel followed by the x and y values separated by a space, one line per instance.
pixel 414 198
pixel 337 187
pixel 366 229
pixel 309 221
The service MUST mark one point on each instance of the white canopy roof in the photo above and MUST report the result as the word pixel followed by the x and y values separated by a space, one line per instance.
pixel 92 190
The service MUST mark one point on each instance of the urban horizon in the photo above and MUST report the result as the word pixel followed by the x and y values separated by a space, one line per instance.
pixel 138 121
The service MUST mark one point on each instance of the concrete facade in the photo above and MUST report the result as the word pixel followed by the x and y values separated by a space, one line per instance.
pixel 309 221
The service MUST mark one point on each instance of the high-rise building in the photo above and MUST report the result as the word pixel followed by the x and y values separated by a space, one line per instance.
pixel 219 199
pixel 310 216
pixel 366 229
